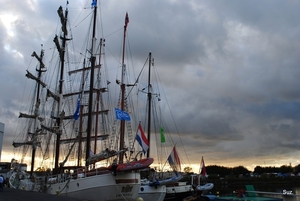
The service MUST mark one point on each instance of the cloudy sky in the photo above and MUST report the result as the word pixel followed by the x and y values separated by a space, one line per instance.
pixel 230 69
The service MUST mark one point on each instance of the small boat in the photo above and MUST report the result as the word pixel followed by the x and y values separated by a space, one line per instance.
pixel 166 181
pixel 132 165
pixel 198 189
pixel 178 191
pixel 205 187
pixel 203 173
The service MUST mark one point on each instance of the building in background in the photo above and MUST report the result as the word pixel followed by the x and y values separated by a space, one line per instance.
pixel 1 137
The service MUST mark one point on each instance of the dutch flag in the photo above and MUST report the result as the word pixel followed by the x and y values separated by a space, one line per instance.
pixel 141 138
pixel 174 160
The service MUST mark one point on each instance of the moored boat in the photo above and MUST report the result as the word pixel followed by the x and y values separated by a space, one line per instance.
pixel 132 165
pixel 178 191
pixel 200 192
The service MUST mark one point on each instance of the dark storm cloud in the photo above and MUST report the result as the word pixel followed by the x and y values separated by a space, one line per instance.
pixel 230 69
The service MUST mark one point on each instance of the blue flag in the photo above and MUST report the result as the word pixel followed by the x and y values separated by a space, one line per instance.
pixel 76 114
pixel 122 115
pixel 94 3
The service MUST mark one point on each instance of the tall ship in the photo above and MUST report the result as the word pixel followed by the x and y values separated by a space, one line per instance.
pixel 81 140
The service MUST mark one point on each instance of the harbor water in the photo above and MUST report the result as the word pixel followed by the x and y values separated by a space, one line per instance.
pixel 287 193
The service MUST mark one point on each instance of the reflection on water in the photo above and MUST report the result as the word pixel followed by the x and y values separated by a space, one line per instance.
pixel 279 192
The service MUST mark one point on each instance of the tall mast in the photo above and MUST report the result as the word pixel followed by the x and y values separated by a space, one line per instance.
pixel 79 155
pixel 122 127
pixel 36 112
pixel 63 19
pixel 98 98
pixel 93 59
pixel 149 95
pixel 34 140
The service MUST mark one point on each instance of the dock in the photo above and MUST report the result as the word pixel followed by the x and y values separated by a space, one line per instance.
pixel 10 194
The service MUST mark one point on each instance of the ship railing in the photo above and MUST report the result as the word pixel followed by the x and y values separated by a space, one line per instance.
pixel 77 174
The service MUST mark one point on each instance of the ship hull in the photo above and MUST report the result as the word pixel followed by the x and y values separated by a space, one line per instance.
pixel 150 193
pixel 103 187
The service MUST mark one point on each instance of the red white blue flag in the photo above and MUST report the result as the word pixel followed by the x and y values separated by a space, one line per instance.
pixel 203 168
pixel 141 138
pixel 174 160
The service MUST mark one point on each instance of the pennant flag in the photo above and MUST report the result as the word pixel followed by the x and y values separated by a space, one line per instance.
pixel 174 160
pixel 202 170
pixel 162 135
pixel 94 3
pixel 126 19
pixel 76 114
pixel 141 138
pixel 91 152
pixel 122 115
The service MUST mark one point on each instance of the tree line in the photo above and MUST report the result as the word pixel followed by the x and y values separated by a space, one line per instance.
pixel 241 170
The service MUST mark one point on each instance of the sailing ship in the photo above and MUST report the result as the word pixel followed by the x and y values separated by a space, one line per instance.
pixel 155 184
pixel 198 193
pixel 202 173
pixel 18 178
pixel 122 181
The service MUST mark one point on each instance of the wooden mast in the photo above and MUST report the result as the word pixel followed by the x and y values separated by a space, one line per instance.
pixel 98 99
pixel 61 52
pixel 34 140
pixel 149 95
pixel 90 106
pixel 34 137
pixel 122 127
pixel 79 155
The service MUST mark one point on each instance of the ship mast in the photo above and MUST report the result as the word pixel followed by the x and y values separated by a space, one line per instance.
pixel 61 51
pixel 122 127
pixel 98 97
pixel 149 95
pixel 90 106
pixel 36 131
pixel 36 112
